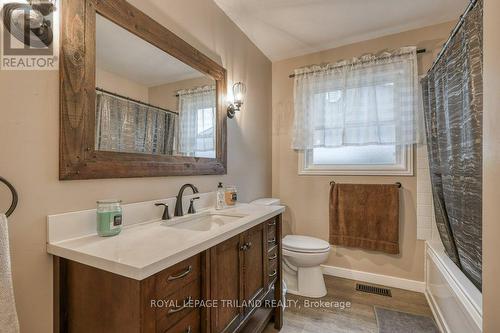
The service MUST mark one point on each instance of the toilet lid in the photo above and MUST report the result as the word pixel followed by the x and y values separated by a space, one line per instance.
pixel 304 244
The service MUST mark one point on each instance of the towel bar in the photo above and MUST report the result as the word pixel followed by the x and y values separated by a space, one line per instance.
pixel 398 184
pixel 14 196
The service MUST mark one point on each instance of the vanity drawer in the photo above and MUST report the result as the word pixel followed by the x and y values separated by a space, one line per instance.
pixel 189 324
pixel 177 276
pixel 177 306
pixel 271 233
pixel 272 254
pixel 272 263
pixel 272 271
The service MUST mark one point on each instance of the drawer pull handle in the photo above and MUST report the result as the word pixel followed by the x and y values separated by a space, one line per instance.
pixel 272 224
pixel 270 241
pixel 180 276
pixel 273 257
pixel 273 274
pixel 187 301
pixel 188 329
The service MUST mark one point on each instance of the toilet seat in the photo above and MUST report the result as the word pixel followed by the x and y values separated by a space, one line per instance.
pixel 305 244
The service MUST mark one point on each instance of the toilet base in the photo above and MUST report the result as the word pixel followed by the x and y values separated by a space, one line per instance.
pixel 307 282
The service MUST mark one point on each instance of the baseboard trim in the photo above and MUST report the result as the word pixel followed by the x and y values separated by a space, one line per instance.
pixel 384 280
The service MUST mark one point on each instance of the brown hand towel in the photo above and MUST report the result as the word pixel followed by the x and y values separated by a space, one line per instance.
pixel 365 216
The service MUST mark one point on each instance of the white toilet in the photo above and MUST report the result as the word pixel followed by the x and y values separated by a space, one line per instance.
pixel 302 259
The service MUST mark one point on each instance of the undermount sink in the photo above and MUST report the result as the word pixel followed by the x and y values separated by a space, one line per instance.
pixel 204 222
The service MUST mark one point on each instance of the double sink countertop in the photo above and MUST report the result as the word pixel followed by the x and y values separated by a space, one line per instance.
pixel 145 248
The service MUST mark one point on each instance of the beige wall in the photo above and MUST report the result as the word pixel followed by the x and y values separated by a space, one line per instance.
pixel 306 197
pixel 491 169
pixel 29 136
pixel 120 85
pixel 164 95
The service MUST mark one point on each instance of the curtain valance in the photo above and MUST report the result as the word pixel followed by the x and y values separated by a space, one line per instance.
pixel 368 100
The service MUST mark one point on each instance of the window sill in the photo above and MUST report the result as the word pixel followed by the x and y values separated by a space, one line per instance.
pixel 316 172
pixel 404 169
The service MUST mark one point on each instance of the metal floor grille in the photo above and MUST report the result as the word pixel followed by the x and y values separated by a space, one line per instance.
pixel 373 290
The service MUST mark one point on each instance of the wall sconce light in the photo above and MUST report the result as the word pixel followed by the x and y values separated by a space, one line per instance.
pixel 239 92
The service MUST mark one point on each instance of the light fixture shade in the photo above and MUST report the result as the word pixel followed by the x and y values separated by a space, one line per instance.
pixel 239 92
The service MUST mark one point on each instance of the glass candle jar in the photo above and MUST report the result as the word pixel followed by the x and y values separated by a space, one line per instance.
pixel 231 195
pixel 109 217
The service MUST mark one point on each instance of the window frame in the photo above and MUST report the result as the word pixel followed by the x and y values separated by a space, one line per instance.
pixel 405 168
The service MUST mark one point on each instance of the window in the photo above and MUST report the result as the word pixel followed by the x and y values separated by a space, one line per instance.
pixel 197 122
pixel 362 159
pixel 358 117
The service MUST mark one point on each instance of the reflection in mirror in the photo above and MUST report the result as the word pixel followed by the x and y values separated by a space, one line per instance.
pixel 148 101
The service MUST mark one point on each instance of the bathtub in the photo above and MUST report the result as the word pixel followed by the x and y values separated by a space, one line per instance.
pixel 454 300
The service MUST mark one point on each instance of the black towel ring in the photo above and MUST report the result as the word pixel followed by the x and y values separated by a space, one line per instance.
pixel 14 196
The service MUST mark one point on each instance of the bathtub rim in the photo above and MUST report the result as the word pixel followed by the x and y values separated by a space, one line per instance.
pixel 466 292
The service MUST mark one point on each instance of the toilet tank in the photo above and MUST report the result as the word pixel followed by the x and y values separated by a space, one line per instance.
pixel 266 201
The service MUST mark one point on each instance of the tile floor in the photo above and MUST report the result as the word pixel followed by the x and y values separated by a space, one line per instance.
pixel 359 317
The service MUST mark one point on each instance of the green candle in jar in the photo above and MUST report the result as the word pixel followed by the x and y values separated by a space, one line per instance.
pixel 109 217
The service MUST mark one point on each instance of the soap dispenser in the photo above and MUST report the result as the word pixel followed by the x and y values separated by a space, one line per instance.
pixel 219 203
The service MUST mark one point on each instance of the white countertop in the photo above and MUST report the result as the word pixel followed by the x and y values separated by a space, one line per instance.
pixel 144 249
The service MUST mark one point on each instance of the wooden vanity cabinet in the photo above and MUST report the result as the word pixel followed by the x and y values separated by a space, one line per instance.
pixel 236 275
pixel 237 278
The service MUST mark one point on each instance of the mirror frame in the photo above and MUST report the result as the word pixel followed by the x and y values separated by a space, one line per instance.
pixel 78 158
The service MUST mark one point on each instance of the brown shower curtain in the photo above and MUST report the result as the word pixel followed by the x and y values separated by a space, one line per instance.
pixel 453 107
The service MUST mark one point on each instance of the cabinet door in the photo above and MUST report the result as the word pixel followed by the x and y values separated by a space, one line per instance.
pixel 253 265
pixel 226 260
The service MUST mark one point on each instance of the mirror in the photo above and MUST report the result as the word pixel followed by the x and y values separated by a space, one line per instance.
pixel 136 100
pixel 149 102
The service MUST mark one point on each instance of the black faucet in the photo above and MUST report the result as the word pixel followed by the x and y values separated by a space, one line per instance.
pixel 178 204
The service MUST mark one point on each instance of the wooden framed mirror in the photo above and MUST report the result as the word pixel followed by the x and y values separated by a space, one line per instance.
pixel 135 99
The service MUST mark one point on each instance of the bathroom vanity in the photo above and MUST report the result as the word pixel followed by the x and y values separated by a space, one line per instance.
pixel 128 80
pixel 214 271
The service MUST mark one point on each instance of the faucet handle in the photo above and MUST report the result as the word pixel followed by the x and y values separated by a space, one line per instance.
pixel 166 214
pixel 191 209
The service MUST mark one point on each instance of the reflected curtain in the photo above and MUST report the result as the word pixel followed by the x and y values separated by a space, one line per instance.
pixel 127 126
pixel 371 100
pixel 452 97
pixel 197 121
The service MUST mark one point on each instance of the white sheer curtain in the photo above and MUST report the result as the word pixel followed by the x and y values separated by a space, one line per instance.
pixel 197 121
pixel 365 101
